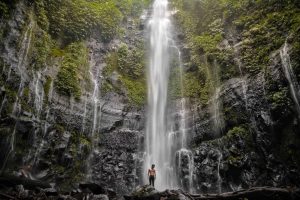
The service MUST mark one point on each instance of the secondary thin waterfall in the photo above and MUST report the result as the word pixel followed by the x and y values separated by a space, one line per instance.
pixel 158 75
pixel 290 76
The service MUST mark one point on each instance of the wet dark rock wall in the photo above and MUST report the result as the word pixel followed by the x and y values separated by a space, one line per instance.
pixel 53 132
pixel 256 143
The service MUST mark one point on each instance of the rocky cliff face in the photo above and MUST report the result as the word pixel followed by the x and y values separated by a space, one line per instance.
pixel 243 126
pixel 64 138
pixel 245 133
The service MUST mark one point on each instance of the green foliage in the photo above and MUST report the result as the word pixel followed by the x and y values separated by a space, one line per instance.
pixel 42 19
pixel 280 102
pixel 131 63
pixel 57 52
pixel 25 100
pixel 132 7
pixel 130 67
pixel 6 6
pixel 42 44
pixel 237 132
pixel 192 87
pixel 136 90
pixel 264 35
pixel 74 20
pixel 72 70
pixel 233 116
pixel 207 43
pixel 47 87
pixel 174 86
pixel 59 128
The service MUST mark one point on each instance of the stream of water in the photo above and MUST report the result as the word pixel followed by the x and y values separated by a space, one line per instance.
pixel 95 76
pixel 166 146
pixel 158 75
pixel 290 76
pixel 22 59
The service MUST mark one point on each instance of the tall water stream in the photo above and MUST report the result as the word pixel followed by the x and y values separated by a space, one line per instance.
pixel 165 147
pixel 290 76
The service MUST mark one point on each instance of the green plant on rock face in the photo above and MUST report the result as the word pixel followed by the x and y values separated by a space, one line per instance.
pixel 280 102
pixel 192 87
pixel 207 43
pixel 41 49
pixel 136 90
pixel 6 7
pixel 132 7
pixel 47 87
pixel 129 66
pixel 25 100
pixel 237 131
pixel 42 19
pixel 261 27
pixel 72 70
pixel 74 20
pixel 59 128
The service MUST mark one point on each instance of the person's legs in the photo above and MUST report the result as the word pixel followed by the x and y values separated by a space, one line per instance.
pixel 151 180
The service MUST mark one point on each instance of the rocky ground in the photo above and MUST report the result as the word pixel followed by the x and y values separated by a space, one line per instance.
pixel 36 190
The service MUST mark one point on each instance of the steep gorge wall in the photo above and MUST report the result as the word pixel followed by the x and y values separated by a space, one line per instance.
pixel 60 111
pixel 242 118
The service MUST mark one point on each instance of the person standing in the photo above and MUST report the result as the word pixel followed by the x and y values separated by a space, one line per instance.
pixel 152 175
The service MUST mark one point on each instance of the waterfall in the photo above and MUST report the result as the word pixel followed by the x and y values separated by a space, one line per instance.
pixel 218 172
pixel 218 123
pixel 2 104
pixel 166 146
pixel 38 94
pixel 184 157
pixel 157 151
pixel 22 55
pixel 244 80
pixel 84 116
pixel 22 59
pixel 46 124
pixel 290 76
pixel 95 75
pixel 95 99
pixel 24 50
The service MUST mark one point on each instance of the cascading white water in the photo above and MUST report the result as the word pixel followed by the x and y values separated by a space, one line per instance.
pixel 22 59
pixel 38 94
pixel 157 151
pixel 95 97
pixel 46 124
pixel 240 65
pixel 84 115
pixel 220 157
pixel 290 76
pixel 218 123
pixel 94 73
pixel 184 157
pixel 2 104
pixel 166 146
